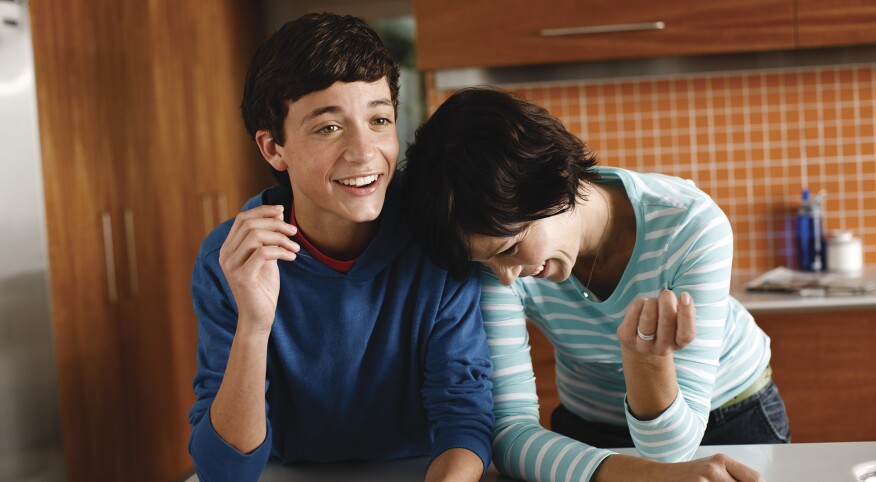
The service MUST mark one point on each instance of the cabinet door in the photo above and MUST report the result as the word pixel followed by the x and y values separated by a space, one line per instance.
pixel 824 23
pixel 138 108
pixel 482 33
pixel 75 45
pixel 823 366
pixel 227 166
pixel 190 134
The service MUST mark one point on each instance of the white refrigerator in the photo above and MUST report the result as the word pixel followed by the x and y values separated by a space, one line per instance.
pixel 30 441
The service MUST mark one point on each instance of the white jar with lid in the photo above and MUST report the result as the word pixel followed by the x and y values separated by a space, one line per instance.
pixel 844 253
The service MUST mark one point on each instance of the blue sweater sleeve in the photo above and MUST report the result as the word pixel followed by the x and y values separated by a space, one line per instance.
pixel 456 389
pixel 214 459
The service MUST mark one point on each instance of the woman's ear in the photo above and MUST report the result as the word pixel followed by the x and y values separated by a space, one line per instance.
pixel 271 151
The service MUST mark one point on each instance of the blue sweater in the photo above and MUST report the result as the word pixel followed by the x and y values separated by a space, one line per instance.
pixel 387 361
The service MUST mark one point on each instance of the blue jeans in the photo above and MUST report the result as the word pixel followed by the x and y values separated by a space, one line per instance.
pixel 759 419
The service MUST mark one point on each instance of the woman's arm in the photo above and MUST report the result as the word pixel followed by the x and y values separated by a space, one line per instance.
pixel 521 447
pixel 671 379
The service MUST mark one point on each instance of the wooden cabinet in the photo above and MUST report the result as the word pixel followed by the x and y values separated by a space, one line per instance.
pixel 139 125
pixel 824 365
pixel 483 33
pixel 823 23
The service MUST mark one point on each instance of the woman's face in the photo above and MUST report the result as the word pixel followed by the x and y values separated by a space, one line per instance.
pixel 547 248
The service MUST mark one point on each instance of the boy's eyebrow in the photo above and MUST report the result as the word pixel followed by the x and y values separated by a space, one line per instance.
pixel 333 109
pixel 329 109
pixel 378 102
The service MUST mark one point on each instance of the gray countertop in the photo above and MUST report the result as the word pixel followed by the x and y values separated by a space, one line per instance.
pixel 817 462
pixel 774 301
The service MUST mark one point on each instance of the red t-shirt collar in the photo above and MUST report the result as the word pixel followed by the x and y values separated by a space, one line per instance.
pixel 335 264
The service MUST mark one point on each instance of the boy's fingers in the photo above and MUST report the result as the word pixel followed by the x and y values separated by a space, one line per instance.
pixel 250 221
pixel 256 240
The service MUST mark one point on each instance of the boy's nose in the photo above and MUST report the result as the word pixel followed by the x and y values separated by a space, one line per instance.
pixel 360 147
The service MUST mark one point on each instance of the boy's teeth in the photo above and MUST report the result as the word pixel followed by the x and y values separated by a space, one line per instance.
pixel 358 181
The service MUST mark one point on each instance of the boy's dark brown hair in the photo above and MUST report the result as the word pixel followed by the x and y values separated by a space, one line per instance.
pixel 307 55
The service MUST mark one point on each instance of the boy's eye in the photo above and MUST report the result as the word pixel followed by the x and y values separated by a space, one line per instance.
pixel 328 129
pixel 382 121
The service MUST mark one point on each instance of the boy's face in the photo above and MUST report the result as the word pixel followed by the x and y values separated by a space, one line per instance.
pixel 341 151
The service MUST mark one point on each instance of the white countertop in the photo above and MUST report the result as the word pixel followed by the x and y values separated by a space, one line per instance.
pixel 822 462
pixel 764 302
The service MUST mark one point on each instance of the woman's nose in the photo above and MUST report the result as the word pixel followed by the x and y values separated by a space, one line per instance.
pixel 506 274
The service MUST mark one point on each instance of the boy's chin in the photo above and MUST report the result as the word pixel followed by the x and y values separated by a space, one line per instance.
pixel 366 214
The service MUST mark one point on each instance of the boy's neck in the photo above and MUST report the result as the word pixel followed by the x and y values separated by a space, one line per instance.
pixel 336 238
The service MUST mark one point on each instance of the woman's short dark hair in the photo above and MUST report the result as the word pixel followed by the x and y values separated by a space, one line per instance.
pixel 489 163
pixel 306 55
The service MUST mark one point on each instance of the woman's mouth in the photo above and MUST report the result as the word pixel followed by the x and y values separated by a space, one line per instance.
pixel 541 271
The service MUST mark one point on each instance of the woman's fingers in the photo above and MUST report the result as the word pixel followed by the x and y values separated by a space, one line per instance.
pixel 626 332
pixel 658 326
pixel 741 472
pixel 647 326
pixel 666 321
pixel 687 321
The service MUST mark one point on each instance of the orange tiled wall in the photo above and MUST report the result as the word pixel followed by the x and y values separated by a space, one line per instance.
pixel 750 139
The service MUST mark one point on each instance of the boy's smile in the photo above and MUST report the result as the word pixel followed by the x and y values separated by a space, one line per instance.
pixel 340 151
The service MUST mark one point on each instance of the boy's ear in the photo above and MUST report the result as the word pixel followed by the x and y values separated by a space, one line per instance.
pixel 271 151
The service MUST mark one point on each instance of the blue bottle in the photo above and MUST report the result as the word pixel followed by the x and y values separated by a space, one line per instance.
pixel 810 233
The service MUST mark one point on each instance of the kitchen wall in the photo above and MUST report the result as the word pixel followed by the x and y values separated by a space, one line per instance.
pixel 751 139
pixel 30 441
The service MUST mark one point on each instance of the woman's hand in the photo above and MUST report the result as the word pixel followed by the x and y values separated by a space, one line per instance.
pixel 658 326
pixel 258 238
pixel 650 332
pixel 717 468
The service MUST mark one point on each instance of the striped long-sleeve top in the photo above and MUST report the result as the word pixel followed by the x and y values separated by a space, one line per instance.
pixel 684 243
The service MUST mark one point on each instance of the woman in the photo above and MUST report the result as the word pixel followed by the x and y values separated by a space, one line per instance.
pixel 594 257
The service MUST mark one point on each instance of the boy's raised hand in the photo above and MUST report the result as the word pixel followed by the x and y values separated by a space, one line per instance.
pixel 258 238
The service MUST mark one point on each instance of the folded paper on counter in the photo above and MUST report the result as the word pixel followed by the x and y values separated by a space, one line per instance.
pixel 804 283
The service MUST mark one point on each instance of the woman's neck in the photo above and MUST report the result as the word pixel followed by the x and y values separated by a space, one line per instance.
pixel 609 223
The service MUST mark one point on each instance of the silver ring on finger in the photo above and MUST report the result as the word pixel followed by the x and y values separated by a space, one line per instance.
pixel 643 336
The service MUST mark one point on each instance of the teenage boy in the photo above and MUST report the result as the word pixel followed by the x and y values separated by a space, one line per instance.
pixel 324 333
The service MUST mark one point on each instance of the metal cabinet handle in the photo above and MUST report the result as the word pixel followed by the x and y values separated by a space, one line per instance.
pixel 221 207
pixel 133 285
pixel 618 27
pixel 207 208
pixel 109 256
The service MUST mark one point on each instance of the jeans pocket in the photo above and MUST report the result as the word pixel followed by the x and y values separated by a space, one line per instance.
pixel 773 415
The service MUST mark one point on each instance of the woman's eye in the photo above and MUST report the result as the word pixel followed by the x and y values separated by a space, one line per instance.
pixel 509 251
pixel 382 121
